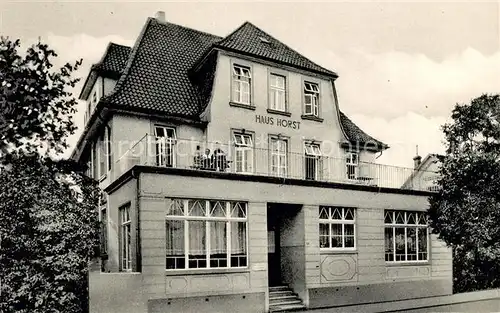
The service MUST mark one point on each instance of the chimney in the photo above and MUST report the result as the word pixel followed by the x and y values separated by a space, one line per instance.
pixel 160 16
pixel 416 161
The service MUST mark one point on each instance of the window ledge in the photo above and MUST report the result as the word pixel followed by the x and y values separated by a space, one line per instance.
pixel 242 105
pixel 102 178
pixel 312 118
pixel 329 251
pixel 206 271
pixel 272 111
pixel 407 263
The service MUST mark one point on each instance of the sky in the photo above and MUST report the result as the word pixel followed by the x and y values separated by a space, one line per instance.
pixel 402 66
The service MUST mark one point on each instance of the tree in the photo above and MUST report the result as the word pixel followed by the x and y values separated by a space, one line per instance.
pixel 48 209
pixel 49 232
pixel 466 212
pixel 36 103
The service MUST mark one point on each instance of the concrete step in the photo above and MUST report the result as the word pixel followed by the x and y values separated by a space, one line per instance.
pixel 283 297
pixel 285 302
pixel 284 308
pixel 273 294
pixel 279 288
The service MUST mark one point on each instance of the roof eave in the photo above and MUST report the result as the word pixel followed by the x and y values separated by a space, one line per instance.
pixel 324 73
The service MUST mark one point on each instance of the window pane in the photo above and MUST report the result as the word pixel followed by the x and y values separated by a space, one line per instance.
pixel 389 244
pixel 238 209
pixel 196 207
pixel 238 244
pixel 388 217
pixel 349 235
pixel 197 244
pixel 176 207
pixel 349 214
pixel 336 235
pixel 400 244
pixel 323 212
pixel 217 209
pixel 411 244
pixel 422 243
pixel 175 244
pixel 337 213
pixel 218 244
pixel 349 241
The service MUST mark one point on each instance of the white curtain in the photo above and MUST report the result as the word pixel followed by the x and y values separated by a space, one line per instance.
pixel 175 237
pixel 197 232
pixel 218 238
pixel 238 238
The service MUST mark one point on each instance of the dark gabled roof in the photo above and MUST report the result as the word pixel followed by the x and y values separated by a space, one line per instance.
pixel 114 60
pixel 111 64
pixel 156 75
pixel 356 136
pixel 251 40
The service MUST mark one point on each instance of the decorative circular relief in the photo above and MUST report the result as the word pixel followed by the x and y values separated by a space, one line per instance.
pixel 338 267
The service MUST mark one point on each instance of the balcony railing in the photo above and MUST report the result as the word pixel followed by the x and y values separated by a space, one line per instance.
pixel 203 156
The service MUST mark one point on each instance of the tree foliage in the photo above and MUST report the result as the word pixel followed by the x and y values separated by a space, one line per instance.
pixel 49 233
pixel 35 100
pixel 466 212
pixel 48 209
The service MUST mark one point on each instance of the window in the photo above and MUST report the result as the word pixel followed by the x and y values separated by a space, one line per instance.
pixel 104 227
pixel 312 161
pixel 337 229
pixel 277 92
pixel 351 163
pixel 206 234
pixel 406 236
pixel 165 146
pixel 241 84
pixel 125 238
pixel 109 147
pixel 100 156
pixel 279 151
pixel 311 99
pixel 243 146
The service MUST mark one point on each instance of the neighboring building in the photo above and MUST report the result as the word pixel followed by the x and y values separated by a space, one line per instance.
pixel 425 174
pixel 233 180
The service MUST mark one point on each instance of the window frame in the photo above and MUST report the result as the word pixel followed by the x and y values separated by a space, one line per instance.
pixel 393 225
pixel 103 211
pixel 125 241
pixel 343 221
pixel 277 89
pixel 207 219
pixel 313 153
pixel 161 145
pixel 237 81
pixel 314 94
pixel 350 154
pixel 242 147
pixel 286 140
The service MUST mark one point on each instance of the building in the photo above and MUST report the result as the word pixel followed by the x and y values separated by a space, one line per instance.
pixel 425 173
pixel 235 183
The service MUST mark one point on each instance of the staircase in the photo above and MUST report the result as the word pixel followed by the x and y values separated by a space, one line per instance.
pixel 282 299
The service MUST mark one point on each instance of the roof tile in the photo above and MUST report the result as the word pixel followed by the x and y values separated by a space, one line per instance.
pixel 156 75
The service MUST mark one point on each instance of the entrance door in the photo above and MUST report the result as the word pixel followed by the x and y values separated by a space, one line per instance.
pixel 273 248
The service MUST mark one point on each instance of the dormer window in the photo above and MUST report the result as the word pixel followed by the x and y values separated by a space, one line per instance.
pixel 264 40
pixel 311 99
pixel 241 84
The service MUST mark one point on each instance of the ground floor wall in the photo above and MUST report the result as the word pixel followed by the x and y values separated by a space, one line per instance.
pixel 320 278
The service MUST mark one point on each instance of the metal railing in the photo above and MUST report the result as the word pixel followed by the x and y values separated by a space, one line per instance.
pixel 203 156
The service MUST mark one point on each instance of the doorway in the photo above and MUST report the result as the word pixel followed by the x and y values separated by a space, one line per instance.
pixel 285 229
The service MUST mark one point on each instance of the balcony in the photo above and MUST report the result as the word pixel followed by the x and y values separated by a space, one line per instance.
pixel 216 157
